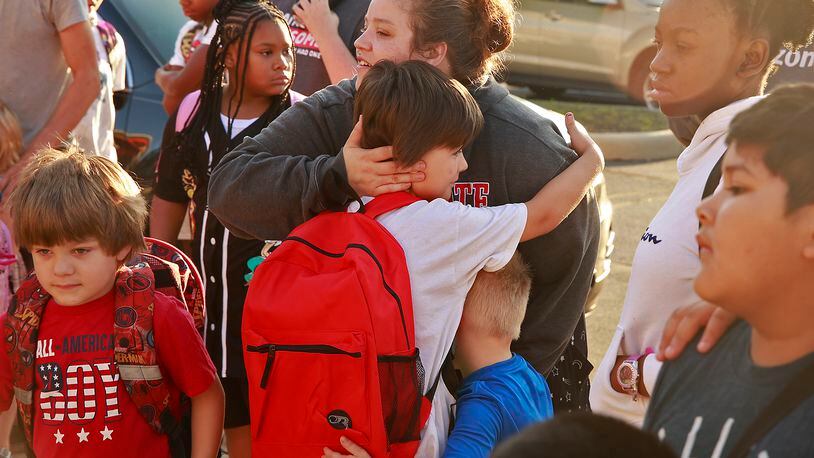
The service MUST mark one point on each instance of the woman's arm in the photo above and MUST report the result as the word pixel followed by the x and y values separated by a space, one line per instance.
pixel 560 196
pixel 296 168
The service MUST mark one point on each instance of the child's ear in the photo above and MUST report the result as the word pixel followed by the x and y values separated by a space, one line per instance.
pixel 231 58
pixel 755 59
pixel 124 255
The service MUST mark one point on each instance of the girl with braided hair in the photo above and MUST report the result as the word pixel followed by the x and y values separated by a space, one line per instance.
pixel 712 63
pixel 246 85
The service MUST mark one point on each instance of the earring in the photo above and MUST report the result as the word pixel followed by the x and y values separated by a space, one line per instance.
pixel 224 80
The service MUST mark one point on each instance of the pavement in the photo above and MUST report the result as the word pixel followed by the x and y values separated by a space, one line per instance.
pixel 638 146
pixel 637 189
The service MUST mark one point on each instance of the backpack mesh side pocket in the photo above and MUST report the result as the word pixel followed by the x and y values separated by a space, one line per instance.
pixel 401 378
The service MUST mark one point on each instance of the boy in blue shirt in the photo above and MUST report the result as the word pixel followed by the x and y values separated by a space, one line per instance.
pixel 501 393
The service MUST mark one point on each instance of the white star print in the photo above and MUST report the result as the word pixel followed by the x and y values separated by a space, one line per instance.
pixel 58 437
pixel 82 435
pixel 107 434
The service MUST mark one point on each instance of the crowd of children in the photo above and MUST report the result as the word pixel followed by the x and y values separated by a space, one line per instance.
pixel 129 361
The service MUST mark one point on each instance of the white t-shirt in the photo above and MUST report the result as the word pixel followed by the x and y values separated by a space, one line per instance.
pixel 185 46
pixel 446 244
pixel 94 133
pixel 664 267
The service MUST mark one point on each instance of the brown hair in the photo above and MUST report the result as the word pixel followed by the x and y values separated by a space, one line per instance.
pixel 11 138
pixel 496 303
pixel 69 197
pixel 782 124
pixel 414 107
pixel 475 31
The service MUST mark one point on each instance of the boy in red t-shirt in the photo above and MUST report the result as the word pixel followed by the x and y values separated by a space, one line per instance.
pixel 81 218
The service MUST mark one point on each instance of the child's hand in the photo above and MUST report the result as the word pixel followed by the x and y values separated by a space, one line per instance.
pixel 581 142
pixel 372 172
pixel 354 450
pixel 317 16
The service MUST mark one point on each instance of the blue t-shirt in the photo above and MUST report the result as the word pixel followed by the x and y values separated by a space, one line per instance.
pixel 494 403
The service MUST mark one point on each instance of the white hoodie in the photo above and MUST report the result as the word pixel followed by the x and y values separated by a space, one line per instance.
pixel 664 267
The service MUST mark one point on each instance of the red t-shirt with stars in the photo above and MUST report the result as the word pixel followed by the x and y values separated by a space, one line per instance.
pixel 81 407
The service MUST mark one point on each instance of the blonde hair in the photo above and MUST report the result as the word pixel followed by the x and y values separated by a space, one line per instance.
pixel 67 196
pixel 11 138
pixel 496 303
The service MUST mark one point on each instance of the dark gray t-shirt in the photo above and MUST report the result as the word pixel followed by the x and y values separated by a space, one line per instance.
pixel 702 404
pixel 311 73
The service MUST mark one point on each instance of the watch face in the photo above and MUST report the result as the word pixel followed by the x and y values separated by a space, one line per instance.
pixel 626 374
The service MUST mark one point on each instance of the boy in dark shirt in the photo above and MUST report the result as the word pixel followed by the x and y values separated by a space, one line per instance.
pixel 757 251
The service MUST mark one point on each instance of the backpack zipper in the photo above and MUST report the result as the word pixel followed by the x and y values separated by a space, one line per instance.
pixel 271 351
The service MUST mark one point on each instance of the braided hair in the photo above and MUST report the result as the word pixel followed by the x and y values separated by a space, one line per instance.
pixel 237 21
pixel 788 23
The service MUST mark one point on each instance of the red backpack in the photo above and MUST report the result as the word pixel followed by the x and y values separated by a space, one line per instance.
pixel 330 341
pixel 162 268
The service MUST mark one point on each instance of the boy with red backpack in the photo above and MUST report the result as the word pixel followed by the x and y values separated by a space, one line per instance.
pixel 104 370
pixel 354 313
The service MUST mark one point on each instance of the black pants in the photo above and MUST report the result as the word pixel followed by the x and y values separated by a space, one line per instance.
pixel 569 379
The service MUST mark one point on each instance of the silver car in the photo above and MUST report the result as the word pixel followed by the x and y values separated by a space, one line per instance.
pixel 583 44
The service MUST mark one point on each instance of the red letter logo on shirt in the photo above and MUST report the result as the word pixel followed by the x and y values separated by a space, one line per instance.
pixel 479 190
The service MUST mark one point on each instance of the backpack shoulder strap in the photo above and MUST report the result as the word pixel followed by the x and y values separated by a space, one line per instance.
pixel 135 353
pixel 795 392
pixel 22 327
pixel 176 276
pixel 387 202
pixel 713 179
pixel 108 34
pixel 186 110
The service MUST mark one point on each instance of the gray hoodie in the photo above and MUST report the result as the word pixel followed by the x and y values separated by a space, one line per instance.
pixel 294 169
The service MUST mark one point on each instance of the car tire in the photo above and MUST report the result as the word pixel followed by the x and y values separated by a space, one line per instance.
pixel 639 76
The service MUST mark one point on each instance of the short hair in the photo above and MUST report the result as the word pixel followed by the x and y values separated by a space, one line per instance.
pixel 782 123
pixel 11 138
pixel 66 196
pixel 414 107
pixel 583 435
pixel 496 303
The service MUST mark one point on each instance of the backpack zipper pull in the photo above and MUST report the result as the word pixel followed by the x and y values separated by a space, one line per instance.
pixel 271 351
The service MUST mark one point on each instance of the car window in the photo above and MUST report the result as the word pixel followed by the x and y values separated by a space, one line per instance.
pixel 156 22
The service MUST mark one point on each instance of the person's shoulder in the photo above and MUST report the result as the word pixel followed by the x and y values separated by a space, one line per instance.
pixel 167 308
pixel 189 25
pixel 339 94
pixel 527 133
pixel 692 362
pixel 66 13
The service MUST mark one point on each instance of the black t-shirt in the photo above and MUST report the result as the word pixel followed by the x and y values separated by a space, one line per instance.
pixel 311 73
pixel 702 404
pixel 793 67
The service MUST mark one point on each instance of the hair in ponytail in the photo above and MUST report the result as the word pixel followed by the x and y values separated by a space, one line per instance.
pixel 475 32
pixel 237 21
pixel 788 23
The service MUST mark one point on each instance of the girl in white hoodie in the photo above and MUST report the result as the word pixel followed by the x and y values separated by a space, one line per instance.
pixel 712 61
